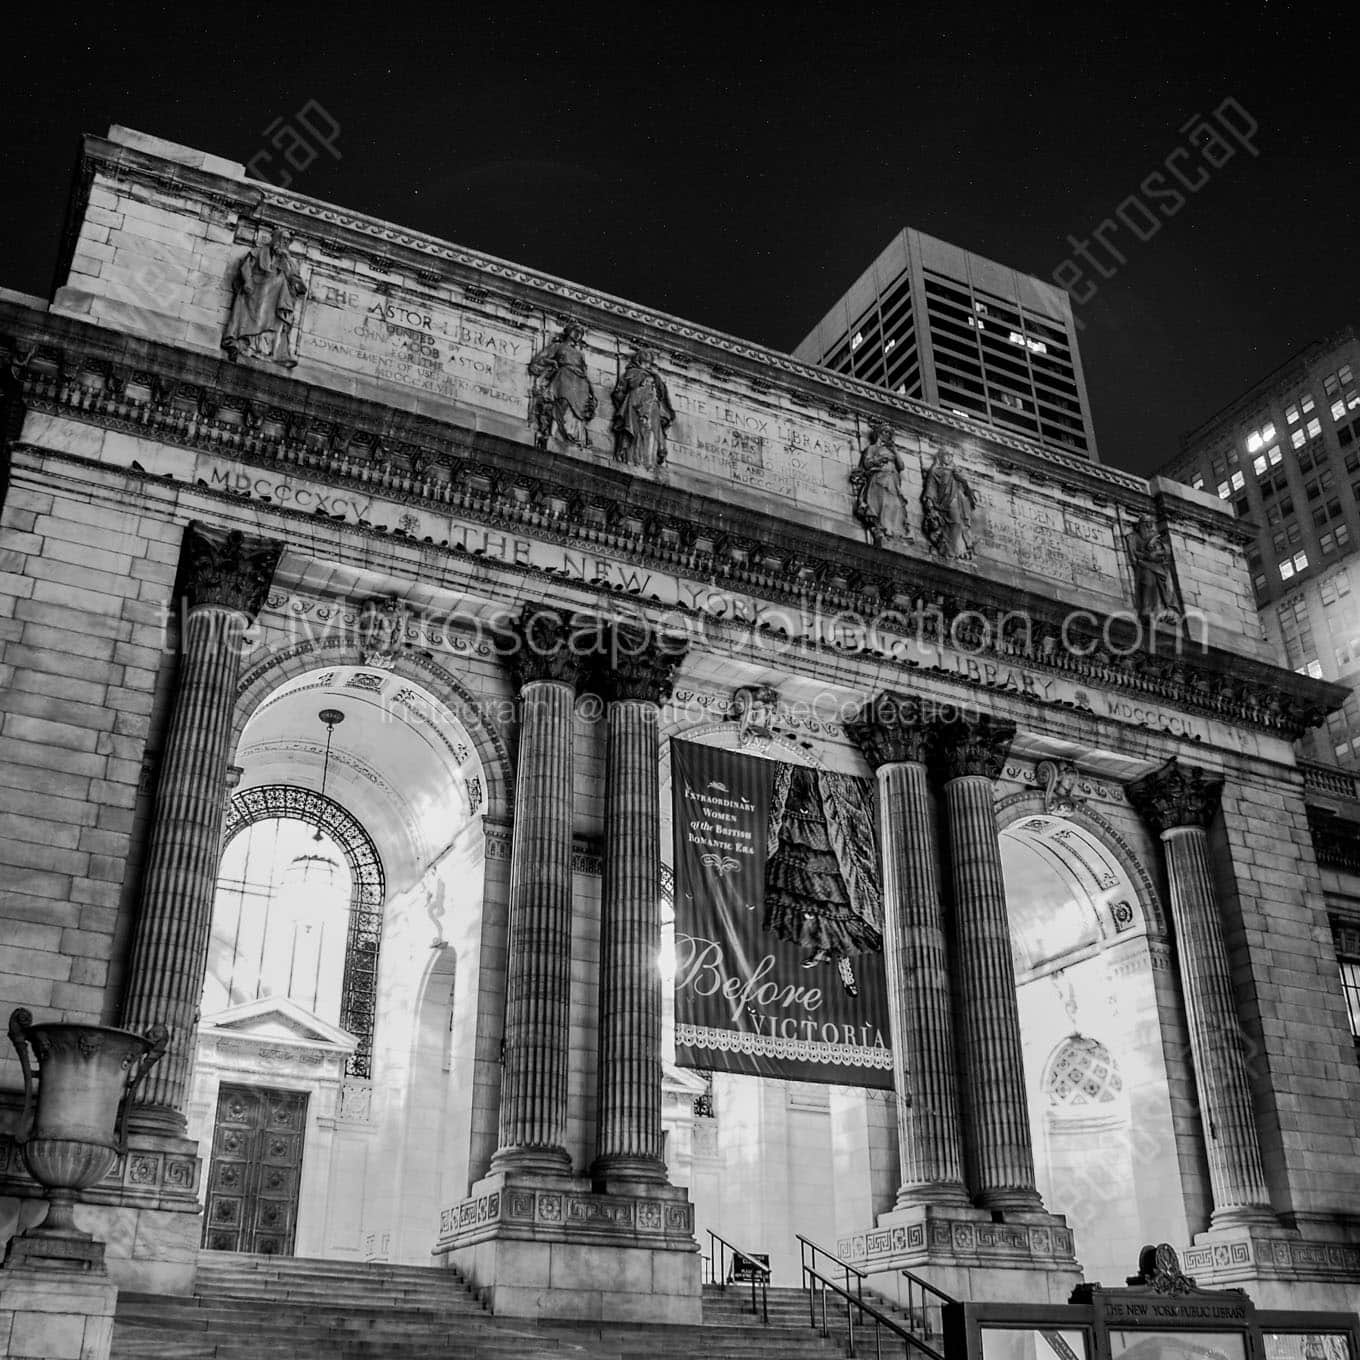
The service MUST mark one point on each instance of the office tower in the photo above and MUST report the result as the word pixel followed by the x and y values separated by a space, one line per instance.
pixel 930 320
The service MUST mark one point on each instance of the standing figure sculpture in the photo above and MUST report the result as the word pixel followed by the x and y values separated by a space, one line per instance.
pixel 948 503
pixel 642 412
pixel 1154 590
pixel 264 303
pixel 877 481
pixel 563 400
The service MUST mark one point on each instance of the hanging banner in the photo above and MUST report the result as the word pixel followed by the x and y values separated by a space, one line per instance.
pixel 778 921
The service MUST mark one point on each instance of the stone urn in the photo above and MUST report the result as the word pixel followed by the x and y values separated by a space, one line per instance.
pixel 78 1129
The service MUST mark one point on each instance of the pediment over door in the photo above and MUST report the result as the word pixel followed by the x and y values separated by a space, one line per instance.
pixel 272 1031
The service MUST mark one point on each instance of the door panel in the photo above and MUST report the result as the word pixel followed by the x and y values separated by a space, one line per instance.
pixel 256 1170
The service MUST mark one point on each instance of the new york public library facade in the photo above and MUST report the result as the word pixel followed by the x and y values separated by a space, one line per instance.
pixel 977 742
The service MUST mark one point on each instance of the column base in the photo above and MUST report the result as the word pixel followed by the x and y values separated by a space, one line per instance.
pixel 627 1175
pixel 144 1215
pixel 56 1313
pixel 1278 1266
pixel 950 1194
pixel 968 1254
pixel 536 1246
pixel 531 1161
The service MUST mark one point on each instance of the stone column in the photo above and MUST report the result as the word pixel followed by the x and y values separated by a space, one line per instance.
pixel 224 577
pixel 895 741
pixel 533 1110
pixel 998 1149
pixel 1178 802
pixel 628 1144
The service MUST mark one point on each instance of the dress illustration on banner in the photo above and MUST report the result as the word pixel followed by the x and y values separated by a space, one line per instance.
pixel 820 890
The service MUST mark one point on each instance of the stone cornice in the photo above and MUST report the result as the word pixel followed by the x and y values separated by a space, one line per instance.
pixel 86 373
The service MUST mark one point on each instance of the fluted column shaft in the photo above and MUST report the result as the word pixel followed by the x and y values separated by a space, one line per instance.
pixel 170 952
pixel 225 579
pixel 918 992
pixel 1179 802
pixel 629 1139
pixel 636 681
pixel 533 1113
pixel 998 1146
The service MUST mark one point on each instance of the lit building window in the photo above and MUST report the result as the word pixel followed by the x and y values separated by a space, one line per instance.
pixel 1314 428
pixel 1306 402
pixel 1268 431
pixel 1298 439
pixel 1198 483
pixel 1238 481
pixel 1300 561
pixel 1291 413
pixel 1314 668
pixel 858 340
pixel 1260 465
pixel 1254 441
pixel 1329 384
pixel 1338 409
pixel 1274 454
pixel 1224 490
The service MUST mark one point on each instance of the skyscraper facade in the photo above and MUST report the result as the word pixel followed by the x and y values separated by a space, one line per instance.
pixel 1286 456
pixel 930 320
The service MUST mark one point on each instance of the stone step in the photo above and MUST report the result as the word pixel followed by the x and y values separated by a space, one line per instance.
pixel 263 1308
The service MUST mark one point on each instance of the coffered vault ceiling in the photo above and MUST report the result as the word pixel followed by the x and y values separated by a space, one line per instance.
pixel 399 762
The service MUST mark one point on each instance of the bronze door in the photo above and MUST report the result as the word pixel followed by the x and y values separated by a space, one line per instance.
pixel 256 1170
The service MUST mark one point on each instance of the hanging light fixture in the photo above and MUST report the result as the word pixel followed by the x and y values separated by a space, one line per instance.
pixel 332 717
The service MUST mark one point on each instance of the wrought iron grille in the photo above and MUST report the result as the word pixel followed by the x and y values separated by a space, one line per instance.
pixel 359 986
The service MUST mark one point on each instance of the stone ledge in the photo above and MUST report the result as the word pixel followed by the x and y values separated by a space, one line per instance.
pixel 1222 1257
pixel 539 1212
pixel 929 1236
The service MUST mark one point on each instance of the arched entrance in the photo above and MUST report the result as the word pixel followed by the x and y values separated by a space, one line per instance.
pixel 335 1087
pixel 1097 1006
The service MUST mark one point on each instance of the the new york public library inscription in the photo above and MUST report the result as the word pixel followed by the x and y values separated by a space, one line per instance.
pixel 728 619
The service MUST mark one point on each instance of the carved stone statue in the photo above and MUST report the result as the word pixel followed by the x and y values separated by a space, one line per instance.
pixel 642 412
pixel 948 503
pixel 264 301
pixel 879 505
pixel 1154 590
pixel 563 399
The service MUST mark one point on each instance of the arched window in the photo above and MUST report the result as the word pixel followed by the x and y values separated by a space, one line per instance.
pixel 294 883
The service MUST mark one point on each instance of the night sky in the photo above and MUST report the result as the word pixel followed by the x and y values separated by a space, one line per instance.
pixel 739 165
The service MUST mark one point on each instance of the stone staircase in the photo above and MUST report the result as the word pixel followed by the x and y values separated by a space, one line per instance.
pixel 270 1307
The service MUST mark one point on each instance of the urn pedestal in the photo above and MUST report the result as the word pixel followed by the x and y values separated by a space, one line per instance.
pixel 79 1127
pixel 56 1299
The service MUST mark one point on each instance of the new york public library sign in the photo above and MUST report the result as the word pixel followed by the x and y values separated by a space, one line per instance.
pixel 754 627
pixel 960 645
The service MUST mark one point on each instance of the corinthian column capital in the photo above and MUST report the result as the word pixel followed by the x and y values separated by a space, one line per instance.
pixel 226 568
pixel 974 747
pixel 893 729
pixel 548 644
pixel 640 665
pixel 1176 795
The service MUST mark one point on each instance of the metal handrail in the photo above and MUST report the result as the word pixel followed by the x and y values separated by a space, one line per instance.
pixel 915 1285
pixel 810 1249
pixel 717 1264
pixel 856 1311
